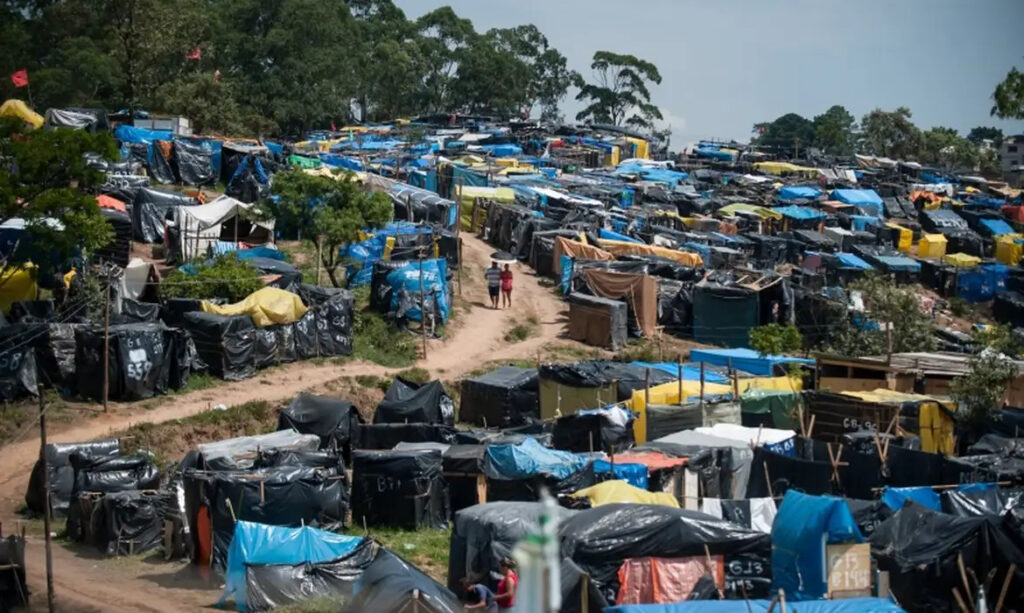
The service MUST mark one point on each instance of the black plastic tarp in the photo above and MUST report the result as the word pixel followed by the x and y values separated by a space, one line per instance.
pixel 921 550
pixel 415 403
pixel 193 164
pixel 334 420
pixel 391 585
pixel 145 359
pixel 404 489
pixel 483 534
pixel 18 373
pixel 272 586
pixel 55 355
pixel 226 344
pixel 118 250
pixel 113 474
pixel 281 496
pixel 13 590
pixel 129 523
pixel 503 397
pixel 149 211
pixel 91 120
pixel 599 540
pixel 592 431
pixel 62 474
pixel 978 502
pixel 599 373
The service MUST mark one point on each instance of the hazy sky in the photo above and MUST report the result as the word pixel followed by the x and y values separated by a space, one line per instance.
pixel 728 64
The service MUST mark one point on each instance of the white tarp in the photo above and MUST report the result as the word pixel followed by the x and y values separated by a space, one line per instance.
pixel 200 226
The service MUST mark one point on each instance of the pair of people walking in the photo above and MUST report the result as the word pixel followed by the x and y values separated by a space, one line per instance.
pixel 499 284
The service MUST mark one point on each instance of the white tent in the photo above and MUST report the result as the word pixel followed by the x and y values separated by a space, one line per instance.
pixel 223 219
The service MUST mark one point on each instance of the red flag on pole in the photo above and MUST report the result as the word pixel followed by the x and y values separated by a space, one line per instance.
pixel 195 54
pixel 20 78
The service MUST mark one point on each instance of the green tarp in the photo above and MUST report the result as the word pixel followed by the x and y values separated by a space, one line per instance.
pixel 304 162
pixel 780 405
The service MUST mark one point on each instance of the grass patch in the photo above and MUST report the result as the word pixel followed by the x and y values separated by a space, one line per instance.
pixel 639 351
pixel 428 549
pixel 17 418
pixel 522 330
pixel 169 441
pixel 376 340
pixel 372 381
pixel 556 353
pixel 302 255
pixel 197 382
pixel 415 374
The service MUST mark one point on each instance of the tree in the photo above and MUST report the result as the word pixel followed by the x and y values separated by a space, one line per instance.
pixel 945 147
pixel 982 133
pixel 331 211
pixel 980 392
pixel 45 181
pixel 227 278
pixel 789 132
pixel 212 106
pixel 1009 96
pixel 890 134
pixel 833 131
pixel 444 39
pixel 773 339
pixel 888 306
pixel 621 94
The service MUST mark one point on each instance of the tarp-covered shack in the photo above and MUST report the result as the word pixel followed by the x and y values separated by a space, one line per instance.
pixel 504 397
pixel 197 229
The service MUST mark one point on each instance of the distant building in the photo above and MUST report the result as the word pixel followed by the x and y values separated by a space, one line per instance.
pixel 1011 159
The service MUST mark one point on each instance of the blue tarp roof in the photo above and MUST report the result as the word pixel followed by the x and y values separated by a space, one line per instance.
pixel 898 262
pixel 615 236
pixel 861 222
pixel 849 605
pixel 997 226
pixel 803 523
pixel 744 359
pixel 659 175
pixel 799 212
pixel 896 497
pixel 503 150
pixel 714 154
pixel 255 543
pixel 857 196
pixel 853 261
pixel 690 372
pixel 131 134
pixel 796 192
pixel 528 459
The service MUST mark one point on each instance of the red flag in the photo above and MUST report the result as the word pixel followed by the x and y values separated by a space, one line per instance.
pixel 195 54
pixel 20 78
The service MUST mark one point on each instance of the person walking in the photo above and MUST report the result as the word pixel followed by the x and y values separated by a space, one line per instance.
pixel 506 287
pixel 506 596
pixel 493 276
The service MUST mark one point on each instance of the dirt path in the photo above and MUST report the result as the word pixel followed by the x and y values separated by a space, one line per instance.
pixel 86 582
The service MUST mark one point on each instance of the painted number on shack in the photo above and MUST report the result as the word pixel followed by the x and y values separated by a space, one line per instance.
pixel 849 570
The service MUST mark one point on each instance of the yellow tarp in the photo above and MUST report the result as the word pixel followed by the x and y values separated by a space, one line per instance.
pixel 783 168
pixel 466 194
pixel 626 248
pixel 17 284
pixel 17 108
pixel 611 492
pixel 642 147
pixel 1010 249
pixel 906 237
pixel 935 423
pixel 667 393
pixel 781 384
pixel 267 307
pixel 961 260
pixel 931 246
pixel 764 212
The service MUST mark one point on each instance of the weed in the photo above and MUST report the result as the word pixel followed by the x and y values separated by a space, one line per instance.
pixel 376 340
pixel 426 548
pixel 959 307
pixel 521 330
pixel 415 374
pixel 368 380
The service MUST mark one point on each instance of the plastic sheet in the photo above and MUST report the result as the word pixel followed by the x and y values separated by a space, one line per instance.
pixel 609 429
pixel 143 357
pixel 272 586
pixel 386 436
pixel 333 420
pixel 193 163
pixel 13 589
pixel 129 522
pixel 503 397
pixel 149 211
pixel 399 488
pixel 62 474
pixel 851 605
pixel 410 402
pixel 266 306
pixel 391 584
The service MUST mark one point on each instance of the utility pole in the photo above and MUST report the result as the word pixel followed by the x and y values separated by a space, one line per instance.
pixel 46 497
pixel 106 342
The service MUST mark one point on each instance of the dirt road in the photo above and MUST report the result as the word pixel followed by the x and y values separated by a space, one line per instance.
pixel 86 582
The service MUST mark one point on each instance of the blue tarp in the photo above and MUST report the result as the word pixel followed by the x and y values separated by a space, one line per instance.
pixel 982 282
pixel 690 372
pixel 850 605
pixel 372 250
pixel 799 212
pixel 861 222
pixel 260 252
pixel 853 261
pixel 997 226
pixel 802 527
pixel 261 544
pixel 530 459
pixel 857 196
pixel 634 474
pixel 434 282
pixel 744 359
pixel 566 264
pixel 501 151
pixel 615 236
pixel 898 263
pixel 131 134
pixel 797 192
pixel 896 497
pixel 715 154
pixel 658 175
pixel 341 161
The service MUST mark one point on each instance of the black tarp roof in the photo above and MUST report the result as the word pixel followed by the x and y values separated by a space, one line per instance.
pixel 410 402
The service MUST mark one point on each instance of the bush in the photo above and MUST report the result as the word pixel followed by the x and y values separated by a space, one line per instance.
pixel 773 339
pixel 227 277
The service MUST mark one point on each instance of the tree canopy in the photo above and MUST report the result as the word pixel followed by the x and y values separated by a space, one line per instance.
pixel 981 133
pixel 891 134
pixel 621 92
pixel 833 131
pixel 790 132
pixel 249 67
pixel 1008 96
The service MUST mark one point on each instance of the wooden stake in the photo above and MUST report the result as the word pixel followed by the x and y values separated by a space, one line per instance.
pixel 46 499
pixel 1006 586
pixel 810 428
pixel 701 388
pixel 679 364
pixel 768 481
pixel 458 271
pixel 963 577
pixel 106 343
pixel 960 601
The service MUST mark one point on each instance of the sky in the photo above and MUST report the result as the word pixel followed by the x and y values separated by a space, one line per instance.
pixel 728 64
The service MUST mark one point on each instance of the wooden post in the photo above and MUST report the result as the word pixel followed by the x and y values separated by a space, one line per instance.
pixel 585 593
pixel 46 497
pixel 702 388
pixel 408 207
pixel 106 343
pixel 319 256
pixel 423 312
pixel 679 363
pixel 458 271
pixel 735 382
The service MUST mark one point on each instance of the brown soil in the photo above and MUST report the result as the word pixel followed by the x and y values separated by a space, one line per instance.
pixel 84 581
